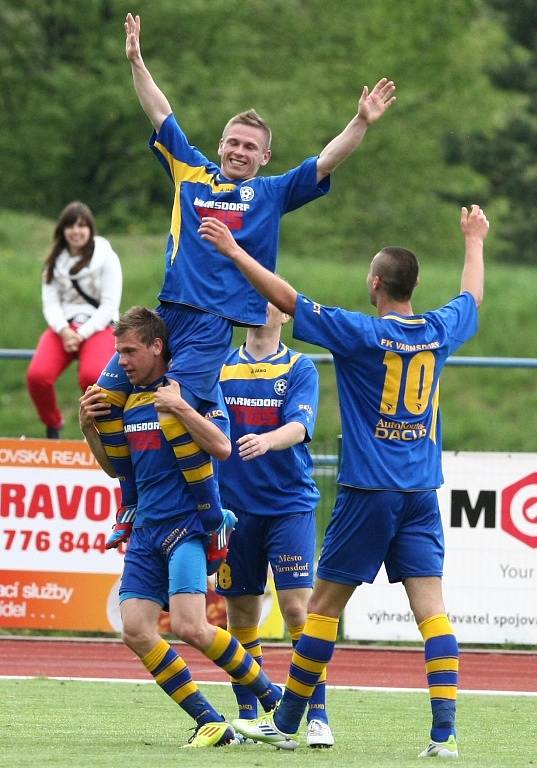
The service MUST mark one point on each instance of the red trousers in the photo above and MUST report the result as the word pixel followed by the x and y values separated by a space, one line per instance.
pixel 50 361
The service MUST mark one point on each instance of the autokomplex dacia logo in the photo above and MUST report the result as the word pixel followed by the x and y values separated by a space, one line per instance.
pixel 517 513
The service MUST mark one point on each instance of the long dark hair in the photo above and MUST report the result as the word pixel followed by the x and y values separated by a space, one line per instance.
pixel 71 213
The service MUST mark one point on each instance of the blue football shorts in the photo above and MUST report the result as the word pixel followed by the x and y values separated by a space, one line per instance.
pixel 199 343
pixel 403 530
pixel 165 559
pixel 287 542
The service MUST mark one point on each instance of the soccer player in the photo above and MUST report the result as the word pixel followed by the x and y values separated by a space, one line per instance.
pixel 271 393
pixel 165 564
pixel 203 294
pixel 387 369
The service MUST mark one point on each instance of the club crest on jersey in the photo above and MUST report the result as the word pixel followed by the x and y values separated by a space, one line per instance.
pixel 280 386
pixel 247 194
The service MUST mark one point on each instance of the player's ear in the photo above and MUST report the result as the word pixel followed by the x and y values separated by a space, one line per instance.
pixel 285 318
pixel 267 154
pixel 220 143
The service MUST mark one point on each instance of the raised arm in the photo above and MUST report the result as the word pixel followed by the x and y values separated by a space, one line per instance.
pixel 269 285
pixel 475 227
pixel 370 108
pixel 154 103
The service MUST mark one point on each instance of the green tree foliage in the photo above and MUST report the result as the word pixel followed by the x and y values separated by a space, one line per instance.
pixel 71 126
pixel 505 152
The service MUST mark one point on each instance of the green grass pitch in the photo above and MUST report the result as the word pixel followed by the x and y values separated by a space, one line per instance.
pixel 71 724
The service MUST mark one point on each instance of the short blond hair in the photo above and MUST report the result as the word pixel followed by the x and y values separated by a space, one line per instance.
pixel 250 117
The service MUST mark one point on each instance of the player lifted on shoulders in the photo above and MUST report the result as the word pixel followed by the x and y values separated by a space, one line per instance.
pixel 203 294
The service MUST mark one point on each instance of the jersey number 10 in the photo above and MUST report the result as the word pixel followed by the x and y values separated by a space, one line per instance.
pixel 417 383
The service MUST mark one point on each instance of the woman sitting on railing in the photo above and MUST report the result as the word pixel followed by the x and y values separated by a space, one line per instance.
pixel 81 294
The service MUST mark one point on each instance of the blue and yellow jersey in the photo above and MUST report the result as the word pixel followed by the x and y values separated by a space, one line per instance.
pixel 196 273
pixel 387 372
pixel 162 491
pixel 260 396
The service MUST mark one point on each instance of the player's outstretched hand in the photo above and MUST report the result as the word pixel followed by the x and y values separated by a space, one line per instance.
pixel 132 40
pixel 217 233
pixel 474 223
pixel 91 406
pixel 373 105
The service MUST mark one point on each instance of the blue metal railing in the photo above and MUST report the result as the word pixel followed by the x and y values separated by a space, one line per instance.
pixel 326 357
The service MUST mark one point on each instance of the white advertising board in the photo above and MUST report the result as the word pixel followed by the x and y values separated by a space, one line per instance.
pixel 489 513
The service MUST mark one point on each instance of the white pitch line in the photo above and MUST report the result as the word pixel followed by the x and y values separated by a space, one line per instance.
pixel 366 688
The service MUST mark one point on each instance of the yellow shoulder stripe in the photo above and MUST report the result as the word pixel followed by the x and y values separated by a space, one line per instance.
pixel 257 370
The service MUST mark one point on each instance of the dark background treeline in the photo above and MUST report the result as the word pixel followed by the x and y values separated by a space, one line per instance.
pixel 464 127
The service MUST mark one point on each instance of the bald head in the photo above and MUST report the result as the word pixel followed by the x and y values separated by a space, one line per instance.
pixel 398 269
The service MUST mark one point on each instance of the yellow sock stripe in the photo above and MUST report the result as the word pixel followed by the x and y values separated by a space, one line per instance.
pixel 172 427
pixel 435 626
pixel 444 664
pixel 199 474
pixel 175 666
pixel 152 659
pixel 248 635
pixel 323 627
pixel 304 691
pixel 309 665
pixel 185 450
pixel 219 644
pixel 295 632
pixel 109 427
pixel 245 635
pixel 116 451
pixel 443 692
pixel 249 677
pixel 184 691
